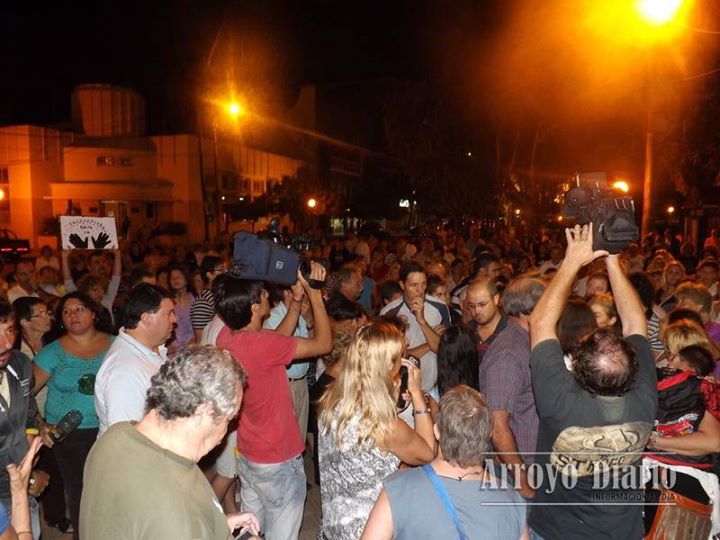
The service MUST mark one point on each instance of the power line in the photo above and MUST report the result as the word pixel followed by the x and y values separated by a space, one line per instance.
pixel 699 75
pixel 701 30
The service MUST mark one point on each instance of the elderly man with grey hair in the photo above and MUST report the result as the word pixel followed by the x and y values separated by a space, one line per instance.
pixel 442 499
pixel 142 481
pixel 504 378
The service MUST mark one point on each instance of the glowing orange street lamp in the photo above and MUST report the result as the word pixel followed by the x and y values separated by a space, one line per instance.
pixel 236 110
pixel 312 203
pixel 658 12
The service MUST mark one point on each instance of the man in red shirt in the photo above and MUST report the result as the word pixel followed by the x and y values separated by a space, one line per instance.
pixel 270 467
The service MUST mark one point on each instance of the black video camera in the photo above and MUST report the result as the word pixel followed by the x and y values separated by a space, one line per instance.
pixel 268 257
pixel 612 217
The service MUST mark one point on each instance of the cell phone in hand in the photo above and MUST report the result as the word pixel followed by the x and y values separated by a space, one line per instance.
pixel 401 403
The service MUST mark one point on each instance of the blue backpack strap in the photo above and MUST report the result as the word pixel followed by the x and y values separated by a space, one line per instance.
pixel 444 497
pixel 394 311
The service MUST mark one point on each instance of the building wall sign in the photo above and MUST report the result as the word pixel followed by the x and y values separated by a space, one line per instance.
pixel 114 161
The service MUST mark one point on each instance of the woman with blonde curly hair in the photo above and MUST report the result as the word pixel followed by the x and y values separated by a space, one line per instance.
pixel 361 438
pixel 684 333
pixel 603 307
pixel 673 274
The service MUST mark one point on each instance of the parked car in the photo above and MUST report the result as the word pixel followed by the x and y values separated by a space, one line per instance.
pixel 12 247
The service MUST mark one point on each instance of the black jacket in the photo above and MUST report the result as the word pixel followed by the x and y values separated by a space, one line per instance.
pixel 16 418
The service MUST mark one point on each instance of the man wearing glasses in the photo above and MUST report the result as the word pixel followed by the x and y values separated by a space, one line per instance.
pixel 482 306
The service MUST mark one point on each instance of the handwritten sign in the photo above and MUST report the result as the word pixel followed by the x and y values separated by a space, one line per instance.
pixel 88 232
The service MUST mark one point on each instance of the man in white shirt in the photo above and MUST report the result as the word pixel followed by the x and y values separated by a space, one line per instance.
pixel 423 314
pixel 557 253
pixel 135 356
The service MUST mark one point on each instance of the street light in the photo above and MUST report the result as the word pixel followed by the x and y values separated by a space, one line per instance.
pixel 621 185
pixel 670 210
pixel 236 110
pixel 216 111
pixel 312 203
pixel 659 12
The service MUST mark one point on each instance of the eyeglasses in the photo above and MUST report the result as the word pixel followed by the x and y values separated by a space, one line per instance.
pixel 43 313
pixel 475 307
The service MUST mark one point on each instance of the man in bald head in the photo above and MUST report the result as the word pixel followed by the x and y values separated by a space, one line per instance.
pixel 482 305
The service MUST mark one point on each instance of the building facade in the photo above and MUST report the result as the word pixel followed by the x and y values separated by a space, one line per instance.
pixel 108 167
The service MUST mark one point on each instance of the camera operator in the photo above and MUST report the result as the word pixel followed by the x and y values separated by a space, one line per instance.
pixel 270 468
pixel 606 402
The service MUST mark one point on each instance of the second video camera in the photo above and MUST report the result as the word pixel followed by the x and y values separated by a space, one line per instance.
pixel 612 216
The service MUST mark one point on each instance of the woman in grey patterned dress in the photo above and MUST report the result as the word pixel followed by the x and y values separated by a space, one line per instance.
pixel 361 439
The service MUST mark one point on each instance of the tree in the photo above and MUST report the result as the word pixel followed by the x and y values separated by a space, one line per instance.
pixel 430 140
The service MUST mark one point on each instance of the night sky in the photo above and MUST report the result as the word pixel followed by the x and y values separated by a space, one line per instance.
pixel 160 48
pixel 509 70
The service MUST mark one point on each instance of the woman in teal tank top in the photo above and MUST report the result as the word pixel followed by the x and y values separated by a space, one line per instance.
pixel 68 367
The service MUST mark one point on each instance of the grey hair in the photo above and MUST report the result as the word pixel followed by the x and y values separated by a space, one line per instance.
pixel 521 295
pixel 465 425
pixel 199 375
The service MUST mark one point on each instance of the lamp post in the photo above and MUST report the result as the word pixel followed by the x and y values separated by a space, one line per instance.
pixel 655 13
pixel 312 205
pixel 234 111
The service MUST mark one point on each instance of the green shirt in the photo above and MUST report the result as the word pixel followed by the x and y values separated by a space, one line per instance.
pixel 135 490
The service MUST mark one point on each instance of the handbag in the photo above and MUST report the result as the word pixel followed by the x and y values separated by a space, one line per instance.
pixel 444 498
pixel 680 518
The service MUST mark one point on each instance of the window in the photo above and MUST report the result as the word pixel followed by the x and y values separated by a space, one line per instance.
pixel 228 182
pixel 258 185
pixel 346 166
pixel 4 192
pixel 150 211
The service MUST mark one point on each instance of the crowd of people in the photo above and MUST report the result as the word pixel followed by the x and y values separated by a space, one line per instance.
pixel 461 382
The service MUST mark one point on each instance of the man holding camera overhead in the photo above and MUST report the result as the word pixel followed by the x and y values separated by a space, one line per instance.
pixel 270 464
pixel 595 419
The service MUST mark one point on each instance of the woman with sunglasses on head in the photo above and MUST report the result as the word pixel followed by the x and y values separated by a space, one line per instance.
pixel 34 320
pixel 68 367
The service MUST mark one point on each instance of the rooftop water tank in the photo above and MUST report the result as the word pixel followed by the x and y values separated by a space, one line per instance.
pixel 104 110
